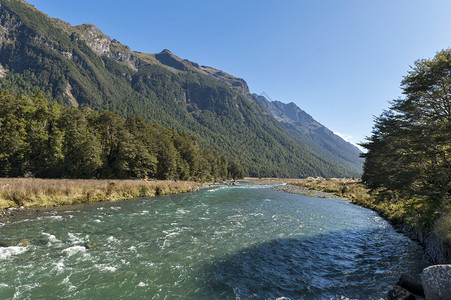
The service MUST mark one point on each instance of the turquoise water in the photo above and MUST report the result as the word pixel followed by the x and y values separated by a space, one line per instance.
pixel 242 241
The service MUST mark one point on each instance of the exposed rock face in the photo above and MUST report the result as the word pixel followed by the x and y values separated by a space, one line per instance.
pixel 72 99
pixel 94 38
pixel 8 25
pixel 2 71
pixel 437 282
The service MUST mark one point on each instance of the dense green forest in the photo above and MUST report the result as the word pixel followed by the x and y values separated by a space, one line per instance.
pixel 41 54
pixel 45 139
pixel 409 153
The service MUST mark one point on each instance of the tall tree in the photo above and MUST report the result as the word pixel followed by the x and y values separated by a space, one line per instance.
pixel 410 148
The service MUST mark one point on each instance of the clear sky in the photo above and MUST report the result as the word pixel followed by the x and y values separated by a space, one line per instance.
pixel 339 60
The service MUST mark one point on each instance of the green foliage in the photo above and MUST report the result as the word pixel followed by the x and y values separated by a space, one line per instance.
pixel 409 152
pixel 45 139
pixel 443 228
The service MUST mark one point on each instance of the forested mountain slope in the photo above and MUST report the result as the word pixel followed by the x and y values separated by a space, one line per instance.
pixel 80 66
pixel 322 140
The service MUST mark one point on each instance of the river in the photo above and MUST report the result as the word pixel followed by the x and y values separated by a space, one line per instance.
pixel 243 241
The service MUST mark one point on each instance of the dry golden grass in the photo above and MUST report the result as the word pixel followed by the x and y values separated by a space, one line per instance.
pixel 31 192
pixel 343 187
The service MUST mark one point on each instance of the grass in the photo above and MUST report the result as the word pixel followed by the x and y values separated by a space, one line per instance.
pixel 31 192
pixel 352 189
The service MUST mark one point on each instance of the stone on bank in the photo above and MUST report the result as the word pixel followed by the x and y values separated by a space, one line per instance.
pixel 437 282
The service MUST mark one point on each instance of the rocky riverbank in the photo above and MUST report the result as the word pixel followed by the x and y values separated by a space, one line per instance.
pixel 288 188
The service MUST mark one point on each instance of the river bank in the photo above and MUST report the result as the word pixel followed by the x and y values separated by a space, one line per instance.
pixel 22 193
pixel 288 188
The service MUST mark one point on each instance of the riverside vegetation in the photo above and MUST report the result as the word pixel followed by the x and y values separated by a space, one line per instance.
pixel 408 161
pixel 44 139
pixel 34 192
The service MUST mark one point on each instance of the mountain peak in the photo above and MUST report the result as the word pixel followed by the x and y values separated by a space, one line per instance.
pixel 94 38
pixel 89 28
pixel 317 136
pixel 167 58
pixel 166 51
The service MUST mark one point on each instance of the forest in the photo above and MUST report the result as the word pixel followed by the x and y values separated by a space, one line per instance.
pixel 41 138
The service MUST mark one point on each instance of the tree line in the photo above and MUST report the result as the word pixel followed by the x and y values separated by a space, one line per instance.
pixel 44 139
pixel 409 151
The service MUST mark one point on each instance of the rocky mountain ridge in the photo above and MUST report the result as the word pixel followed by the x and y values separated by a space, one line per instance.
pixel 313 133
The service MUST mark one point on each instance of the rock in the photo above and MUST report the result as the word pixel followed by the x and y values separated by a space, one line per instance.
pixel 23 243
pixel 4 244
pixel 437 282
pixel 90 245
pixel 399 293
pixel 412 284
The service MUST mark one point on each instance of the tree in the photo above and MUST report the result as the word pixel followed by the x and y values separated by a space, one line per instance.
pixel 13 146
pixel 81 144
pixel 410 147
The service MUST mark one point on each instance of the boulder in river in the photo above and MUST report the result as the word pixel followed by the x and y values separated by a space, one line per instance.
pixel 90 245
pixel 437 282
pixel 4 244
pixel 23 243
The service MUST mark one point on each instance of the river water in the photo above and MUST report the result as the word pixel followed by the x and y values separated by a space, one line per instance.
pixel 242 241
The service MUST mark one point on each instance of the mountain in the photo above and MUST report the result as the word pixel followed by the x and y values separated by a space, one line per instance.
pixel 80 66
pixel 317 136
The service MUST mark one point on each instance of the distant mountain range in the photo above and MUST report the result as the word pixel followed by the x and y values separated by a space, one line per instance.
pixel 323 141
pixel 80 66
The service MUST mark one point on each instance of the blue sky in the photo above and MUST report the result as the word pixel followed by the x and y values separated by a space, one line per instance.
pixel 339 60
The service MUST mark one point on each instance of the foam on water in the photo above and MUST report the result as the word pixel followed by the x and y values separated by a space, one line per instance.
pixel 77 238
pixel 74 250
pixel 112 239
pixel 8 252
pixel 106 268
pixel 52 239
pixel 23 289
pixel 182 211
pixel 59 266
pixel 70 286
